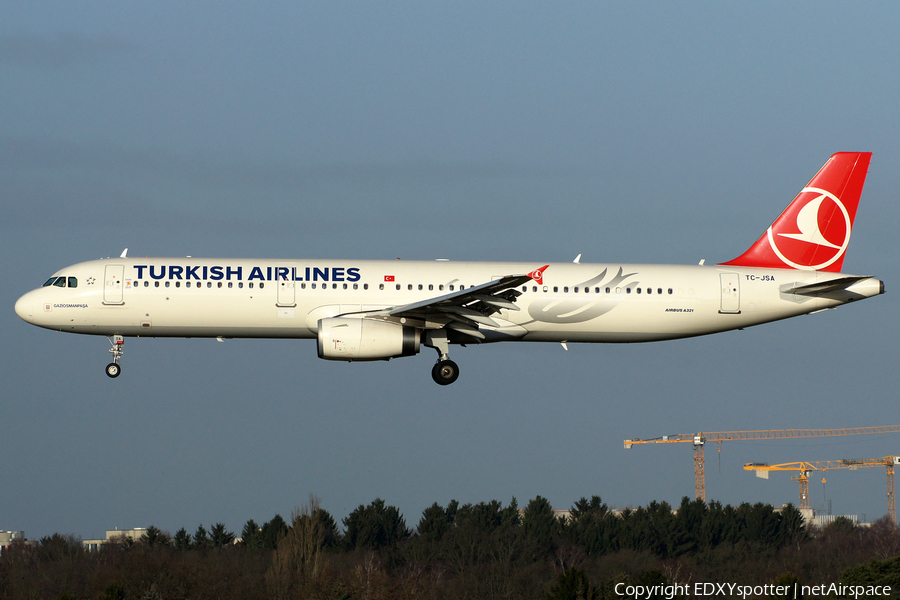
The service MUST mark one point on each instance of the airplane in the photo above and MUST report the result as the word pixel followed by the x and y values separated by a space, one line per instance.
pixel 363 310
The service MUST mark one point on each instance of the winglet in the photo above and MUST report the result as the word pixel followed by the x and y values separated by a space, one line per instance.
pixel 814 230
pixel 538 274
pixel 124 252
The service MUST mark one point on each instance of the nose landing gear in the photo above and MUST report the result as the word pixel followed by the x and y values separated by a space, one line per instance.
pixel 113 369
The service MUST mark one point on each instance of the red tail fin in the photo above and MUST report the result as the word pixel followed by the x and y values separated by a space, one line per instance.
pixel 814 230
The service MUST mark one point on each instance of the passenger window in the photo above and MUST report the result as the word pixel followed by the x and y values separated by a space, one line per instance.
pixel 355 286
pixel 156 284
pixel 219 285
pixel 167 284
pixel 607 290
pixel 380 286
pixel 430 287
pixel 146 284
pixel 545 288
pixel 365 286
pixel 303 286
pixel 420 286
pixel 451 288
pixel 575 289
pixel 333 286
pixel 627 290
pixel 398 286
pixel 73 282
pixel 555 288
pixel 409 287
pixel 261 285
pixel 313 285
pixel 566 289
pixel 670 291
pixel 230 285
pixel 524 288
pixel 441 287
pixel 659 290
pixel 188 284
pixel 208 284
pixel 345 286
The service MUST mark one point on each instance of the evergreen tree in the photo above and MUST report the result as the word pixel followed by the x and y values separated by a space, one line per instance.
pixel 251 535
pixel 154 537
pixel 573 584
pixel 272 532
pixel 540 526
pixel 375 526
pixel 201 538
pixel 182 540
pixel 220 537
pixel 435 522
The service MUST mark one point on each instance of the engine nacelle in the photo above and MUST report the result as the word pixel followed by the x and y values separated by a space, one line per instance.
pixel 348 338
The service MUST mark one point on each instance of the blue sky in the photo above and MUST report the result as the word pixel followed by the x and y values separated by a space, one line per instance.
pixel 633 132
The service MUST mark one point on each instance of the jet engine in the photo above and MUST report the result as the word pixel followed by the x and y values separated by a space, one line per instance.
pixel 349 338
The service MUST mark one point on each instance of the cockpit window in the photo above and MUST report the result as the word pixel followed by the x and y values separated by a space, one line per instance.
pixel 71 282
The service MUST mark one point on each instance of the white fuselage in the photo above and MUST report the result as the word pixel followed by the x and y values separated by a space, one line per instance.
pixel 194 297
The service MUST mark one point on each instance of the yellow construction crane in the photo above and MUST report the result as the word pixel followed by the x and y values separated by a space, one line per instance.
pixel 699 440
pixel 805 468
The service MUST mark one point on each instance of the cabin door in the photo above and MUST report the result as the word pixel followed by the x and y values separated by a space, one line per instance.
pixel 113 283
pixel 731 293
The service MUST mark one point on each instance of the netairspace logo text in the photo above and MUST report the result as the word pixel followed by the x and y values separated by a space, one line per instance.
pixel 734 590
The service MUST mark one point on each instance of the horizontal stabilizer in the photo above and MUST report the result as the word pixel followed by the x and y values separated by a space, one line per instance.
pixel 824 287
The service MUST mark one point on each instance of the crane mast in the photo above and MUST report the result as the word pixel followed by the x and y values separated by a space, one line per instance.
pixel 699 440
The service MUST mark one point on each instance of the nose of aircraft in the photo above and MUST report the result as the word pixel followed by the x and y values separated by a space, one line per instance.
pixel 25 307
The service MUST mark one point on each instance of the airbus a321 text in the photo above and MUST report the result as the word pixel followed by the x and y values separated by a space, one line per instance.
pixel 379 310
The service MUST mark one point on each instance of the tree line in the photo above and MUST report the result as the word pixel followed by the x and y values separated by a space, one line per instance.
pixel 483 550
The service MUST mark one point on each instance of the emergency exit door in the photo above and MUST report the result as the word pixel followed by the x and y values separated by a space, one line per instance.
pixel 284 279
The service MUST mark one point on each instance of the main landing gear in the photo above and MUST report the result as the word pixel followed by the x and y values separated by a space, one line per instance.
pixel 444 371
pixel 113 369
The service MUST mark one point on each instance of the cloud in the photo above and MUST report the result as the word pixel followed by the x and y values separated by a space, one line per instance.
pixel 62 50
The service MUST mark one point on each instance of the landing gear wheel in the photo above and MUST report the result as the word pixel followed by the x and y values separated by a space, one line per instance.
pixel 113 370
pixel 445 372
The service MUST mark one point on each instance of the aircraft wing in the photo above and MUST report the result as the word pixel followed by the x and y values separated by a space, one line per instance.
pixel 464 310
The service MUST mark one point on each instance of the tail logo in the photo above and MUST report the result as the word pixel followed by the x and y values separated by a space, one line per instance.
pixel 818 232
